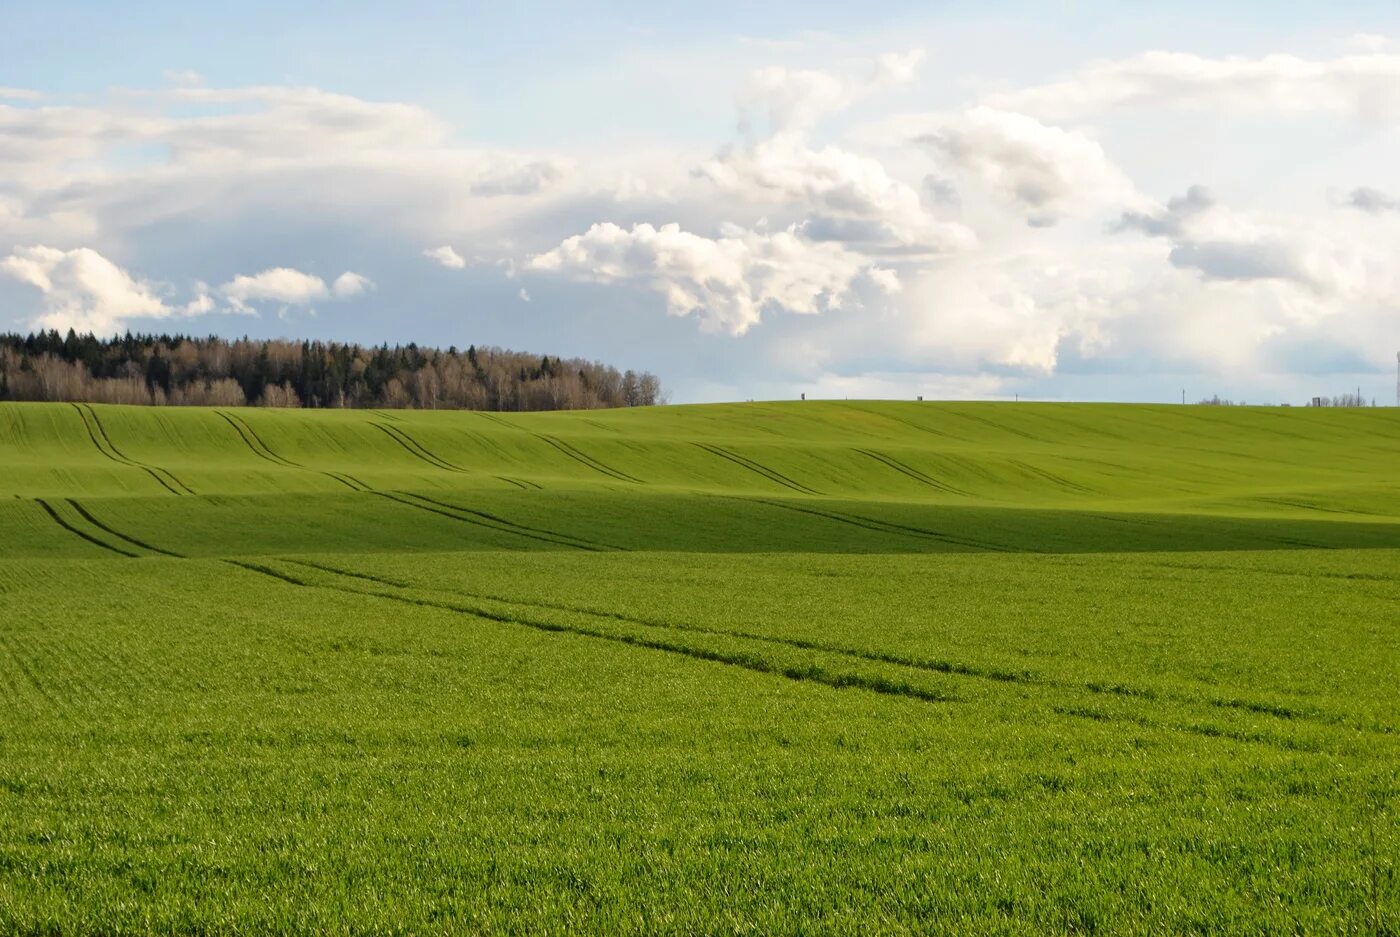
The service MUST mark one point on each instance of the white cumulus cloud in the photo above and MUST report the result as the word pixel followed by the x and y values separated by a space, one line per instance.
pixel 83 290
pixel 289 287
pixel 446 256
pixel 852 197
pixel 351 284
pixel 727 282
pixel 1045 170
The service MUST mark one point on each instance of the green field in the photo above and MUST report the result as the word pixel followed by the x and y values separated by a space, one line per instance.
pixel 762 668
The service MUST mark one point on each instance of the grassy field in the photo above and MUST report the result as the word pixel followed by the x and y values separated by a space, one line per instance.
pixel 762 668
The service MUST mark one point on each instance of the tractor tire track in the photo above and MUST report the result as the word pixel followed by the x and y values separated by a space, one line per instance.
pixel 524 484
pixel 877 684
pixel 58 519
pixel 456 515
pixel 116 455
pixel 155 470
pixel 497 420
pixel 951 668
pixel 910 423
pixel 1051 477
pixel 932 666
pixel 886 527
pixel 587 460
pixel 999 427
pixel 491 518
pixel 254 441
pixel 808 674
pixel 412 447
pixel 264 451
pixel 913 473
pixel 87 516
pixel 756 468
pixel 349 481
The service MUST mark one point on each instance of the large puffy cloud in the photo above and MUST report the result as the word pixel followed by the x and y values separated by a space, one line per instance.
pixel 83 290
pixel 729 281
pixel 851 197
pixel 1043 169
pixel 1362 85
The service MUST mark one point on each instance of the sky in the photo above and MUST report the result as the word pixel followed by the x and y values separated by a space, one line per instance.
pixel 1043 201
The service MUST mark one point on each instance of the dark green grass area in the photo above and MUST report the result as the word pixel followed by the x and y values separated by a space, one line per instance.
pixel 858 668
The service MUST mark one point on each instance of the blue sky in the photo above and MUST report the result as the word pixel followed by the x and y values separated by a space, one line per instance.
pixel 1071 200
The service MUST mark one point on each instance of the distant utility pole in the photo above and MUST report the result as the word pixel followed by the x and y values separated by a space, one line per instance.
pixel 1183 396
pixel 1397 378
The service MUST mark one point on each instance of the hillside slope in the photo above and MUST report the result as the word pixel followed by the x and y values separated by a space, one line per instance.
pixel 92 480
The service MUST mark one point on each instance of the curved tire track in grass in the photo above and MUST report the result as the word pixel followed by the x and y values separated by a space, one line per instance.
pixel 820 675
pixel 884 527
pixel 999 427
pixel 1051 477
pixel 497 420
pixel 349 481
pixel 261 449
pixel 413 448
pixel 254 441
pixel 808 674
pixel 103 444
pixel 587 460
pixel 514 526
pixel 757 468
pixel 87 516
pixel 918 476
pixel 489 523
pixel 58 519
pixel 155 470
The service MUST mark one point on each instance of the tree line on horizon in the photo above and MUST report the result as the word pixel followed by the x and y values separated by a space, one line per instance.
pixel 180 370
